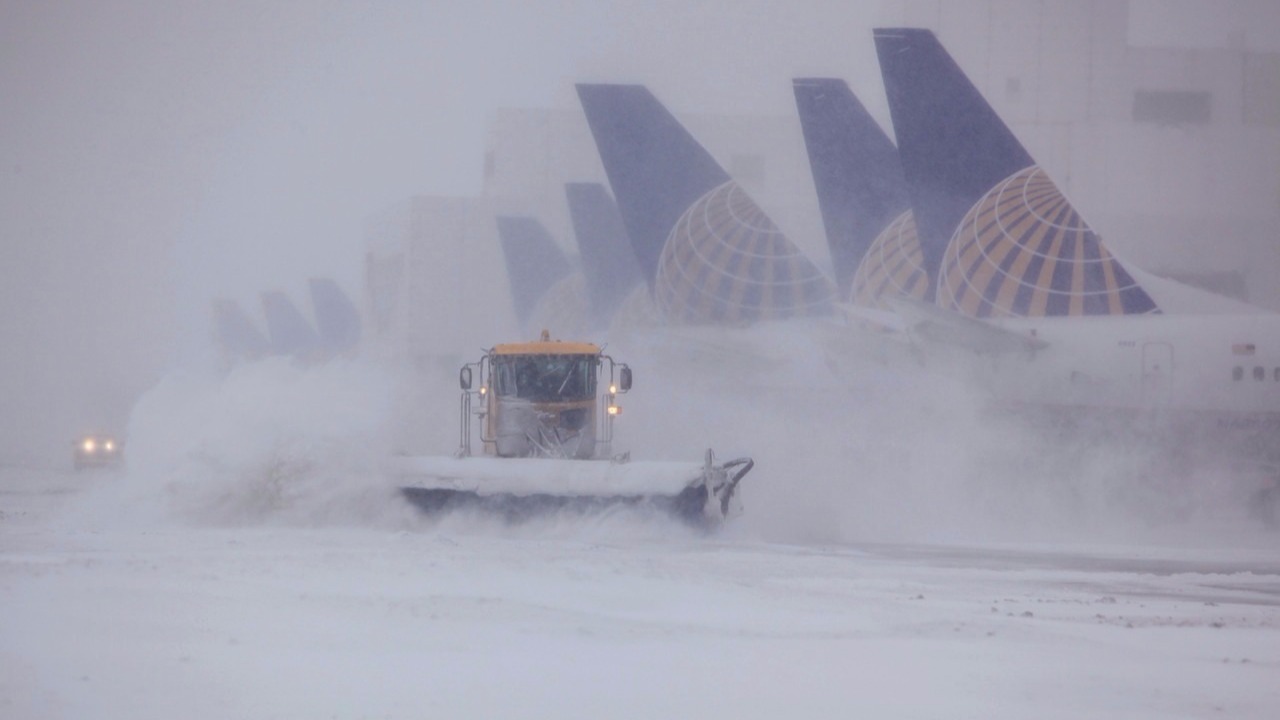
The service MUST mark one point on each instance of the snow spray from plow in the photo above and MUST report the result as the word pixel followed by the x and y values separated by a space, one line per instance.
pixel 546 429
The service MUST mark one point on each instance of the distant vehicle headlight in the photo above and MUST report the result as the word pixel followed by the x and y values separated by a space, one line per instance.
pixel 109 446
pixel 89 445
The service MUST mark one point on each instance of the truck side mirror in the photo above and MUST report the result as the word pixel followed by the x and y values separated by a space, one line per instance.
pixel 624 379
pixel 464 377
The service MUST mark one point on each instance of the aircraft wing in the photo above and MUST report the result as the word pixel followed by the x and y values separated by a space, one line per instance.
pixel 886 320
pixel 931 323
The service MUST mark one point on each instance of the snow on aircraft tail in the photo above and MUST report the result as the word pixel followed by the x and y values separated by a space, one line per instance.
pixel 609 263
pixel 863 197
pixel 709 253
pixel 289 331
pixel 995 231
pixel 535 263
pixel 337 318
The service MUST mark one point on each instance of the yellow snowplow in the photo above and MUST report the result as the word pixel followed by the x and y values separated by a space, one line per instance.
pixel 544 412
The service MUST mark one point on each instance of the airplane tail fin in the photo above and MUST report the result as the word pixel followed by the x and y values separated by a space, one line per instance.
pixel 709 252
pixel 656 168
pixel 608 260
pixel 534 261
pixel 855 171
pixel 337 318
pixel 996 233
pixel 235 334
pixel 289 331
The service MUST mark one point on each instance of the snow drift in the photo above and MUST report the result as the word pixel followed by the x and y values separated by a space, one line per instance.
pixel 271 440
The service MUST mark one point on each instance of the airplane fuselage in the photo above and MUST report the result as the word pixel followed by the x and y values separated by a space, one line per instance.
pixel 1207 382
pixel 1210 363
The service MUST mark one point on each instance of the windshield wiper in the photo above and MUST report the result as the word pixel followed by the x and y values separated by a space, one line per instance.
pixel 567 375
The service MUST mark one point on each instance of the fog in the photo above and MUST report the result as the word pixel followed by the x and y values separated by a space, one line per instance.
pixel 159 155
pixel 903 549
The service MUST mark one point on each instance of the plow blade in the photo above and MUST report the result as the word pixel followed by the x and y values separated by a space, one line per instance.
pixel 520 488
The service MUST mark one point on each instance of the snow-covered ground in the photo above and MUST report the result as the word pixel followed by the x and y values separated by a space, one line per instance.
pixel 249 562
pixel 610 617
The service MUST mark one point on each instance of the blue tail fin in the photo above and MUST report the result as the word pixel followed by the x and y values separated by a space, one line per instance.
pixel 289 331
pixel 709 253
pixel 608 261
pixel 337 318
pixel 855 171
pixel 998 235
pixel 953 147
pixel 236 336
pixel 656 168
pixel 534 261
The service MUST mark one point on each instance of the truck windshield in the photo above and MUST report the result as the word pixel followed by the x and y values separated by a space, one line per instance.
pixel 545 378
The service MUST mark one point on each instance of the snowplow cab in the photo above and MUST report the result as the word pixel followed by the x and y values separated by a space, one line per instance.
pixel 546 398
pixel 544 412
